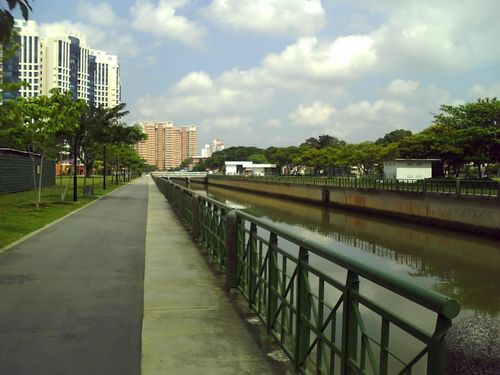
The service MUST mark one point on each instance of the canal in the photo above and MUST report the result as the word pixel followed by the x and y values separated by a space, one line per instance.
pixel 462 266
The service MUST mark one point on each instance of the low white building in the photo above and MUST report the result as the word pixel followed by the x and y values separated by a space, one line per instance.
pixel 408 169
pixel 249 168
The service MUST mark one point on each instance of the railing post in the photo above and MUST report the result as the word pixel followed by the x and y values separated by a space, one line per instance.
pixel 435 359
pixel 252 264
pixel 302 338
pixel 457 187
pixel 349 324
pixel 272 298
pixel 195 220
pixel 231 243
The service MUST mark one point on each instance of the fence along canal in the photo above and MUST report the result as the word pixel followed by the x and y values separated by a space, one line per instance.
pixel 325 324
pixel 457 264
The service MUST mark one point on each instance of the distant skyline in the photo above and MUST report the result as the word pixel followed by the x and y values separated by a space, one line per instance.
pixel 275 72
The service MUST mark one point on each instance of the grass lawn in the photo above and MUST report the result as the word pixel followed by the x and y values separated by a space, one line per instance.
pixel 19 216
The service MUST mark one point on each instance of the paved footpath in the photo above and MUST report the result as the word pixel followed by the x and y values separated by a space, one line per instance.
pixel 119 288
pixel 71 297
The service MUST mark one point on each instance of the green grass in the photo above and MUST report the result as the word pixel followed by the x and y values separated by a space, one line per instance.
pixel 19 216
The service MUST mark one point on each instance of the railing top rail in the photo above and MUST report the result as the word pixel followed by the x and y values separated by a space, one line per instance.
pixel 429 185
pixel 432 300
pixel 429 180
pixel 217 203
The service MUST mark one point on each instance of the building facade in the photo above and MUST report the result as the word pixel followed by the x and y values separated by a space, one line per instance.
pixel 189 141
pixel 61 60
pixel 25 64
pixel 106 85
pixel 408 169
pixel 214 146
pixel 167 146
pixel 65 65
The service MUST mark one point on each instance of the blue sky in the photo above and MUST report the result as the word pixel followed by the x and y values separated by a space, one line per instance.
pixel 275 72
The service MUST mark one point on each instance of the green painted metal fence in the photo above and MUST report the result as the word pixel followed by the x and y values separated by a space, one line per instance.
pixel 326 324
pixel 439 186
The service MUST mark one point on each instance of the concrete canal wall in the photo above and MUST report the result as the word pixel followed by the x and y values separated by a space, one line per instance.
pixel 477 214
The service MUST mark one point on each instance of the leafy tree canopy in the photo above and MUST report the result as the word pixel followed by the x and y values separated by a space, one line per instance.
pixel 393 136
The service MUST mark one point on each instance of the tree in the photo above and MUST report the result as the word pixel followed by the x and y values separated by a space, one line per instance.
pixel 393 136
pixel 436 142
pixel 364 156
pixel 43 120
pixel 259 158
pixel 217 160
pixel 122 137
pixel 95 131
pixel 284 157
pixel 326 140
pixel 11 117
pixel 476 129
pixel 7 19
pixel 310 142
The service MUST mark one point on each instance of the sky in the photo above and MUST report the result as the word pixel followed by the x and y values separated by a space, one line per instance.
pixel 276 72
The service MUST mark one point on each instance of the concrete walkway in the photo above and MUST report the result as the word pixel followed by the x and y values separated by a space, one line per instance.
pixel 190 325
pixel 83 295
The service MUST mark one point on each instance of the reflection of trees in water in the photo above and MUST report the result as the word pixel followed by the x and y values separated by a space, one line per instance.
pixel 474 286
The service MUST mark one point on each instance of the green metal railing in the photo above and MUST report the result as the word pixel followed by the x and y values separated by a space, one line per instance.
pixel 326 323
pixel 456 187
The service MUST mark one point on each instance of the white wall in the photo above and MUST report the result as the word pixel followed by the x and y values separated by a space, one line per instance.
pixel 408 169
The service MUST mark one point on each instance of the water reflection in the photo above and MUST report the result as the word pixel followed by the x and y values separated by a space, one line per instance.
pixel 463 266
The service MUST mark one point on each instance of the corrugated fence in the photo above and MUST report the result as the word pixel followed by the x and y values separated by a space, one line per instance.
pixel 16 171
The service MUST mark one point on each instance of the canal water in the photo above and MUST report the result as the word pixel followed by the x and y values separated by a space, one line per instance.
pixel 463 266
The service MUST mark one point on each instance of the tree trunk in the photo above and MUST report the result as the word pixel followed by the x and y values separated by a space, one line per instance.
pixel 33 163
pixel 116 170
pixel 39 198
pixel 89 165
pixel 75 172
pixel 104 167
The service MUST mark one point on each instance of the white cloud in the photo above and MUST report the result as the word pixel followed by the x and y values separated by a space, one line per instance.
pixel 345 58
pixel 231 123
pixel 162 21
pixel 368 120
pixel 481 91
pixel 200 95
pixel 194 82
pixel 428 34
pixel 400 87
pixel 295 17
pixel 112 41
pixel 314 115
pixel 99 14
pixel 273 123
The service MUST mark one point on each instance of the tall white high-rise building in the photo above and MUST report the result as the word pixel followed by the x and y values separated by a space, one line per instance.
pixel 62 60
pixel 25 64
pixel 106 79
pixel 65 64
pixel 214 146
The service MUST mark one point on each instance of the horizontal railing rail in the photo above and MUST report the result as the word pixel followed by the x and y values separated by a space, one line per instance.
pixel 316 302
pixel 438 186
